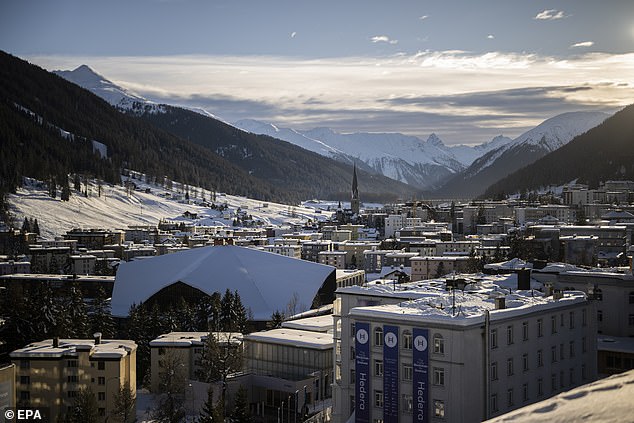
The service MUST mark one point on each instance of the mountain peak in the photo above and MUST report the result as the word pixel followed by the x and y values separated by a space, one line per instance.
pixel 433 139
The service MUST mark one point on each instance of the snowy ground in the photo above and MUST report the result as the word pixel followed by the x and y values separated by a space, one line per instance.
pixel 116 208
pixel 606 400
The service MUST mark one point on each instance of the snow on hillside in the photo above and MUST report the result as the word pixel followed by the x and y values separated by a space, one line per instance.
pixel 115 209
pixel 606 400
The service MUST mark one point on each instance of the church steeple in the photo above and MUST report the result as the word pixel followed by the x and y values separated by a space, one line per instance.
pixel 354 203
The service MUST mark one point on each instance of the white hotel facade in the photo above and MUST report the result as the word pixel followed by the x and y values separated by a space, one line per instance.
pixel 407 355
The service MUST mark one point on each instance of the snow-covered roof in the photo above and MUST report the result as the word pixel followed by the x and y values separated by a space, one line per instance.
pixel 430 301
pixel 606 400
pixel 265 281
pixel 187 339
pixel 513 264
pixel 293 337
pixel 107 348
pixel 314 324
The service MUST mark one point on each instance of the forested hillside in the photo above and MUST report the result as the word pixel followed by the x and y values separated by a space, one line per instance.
pixel 601 154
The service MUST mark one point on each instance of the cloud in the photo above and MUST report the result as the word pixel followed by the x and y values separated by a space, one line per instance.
pixel 583 44
pixel 463 96
pixel 422 18
pixel 550 15
pixel 293 34
pixel 490 36
pixel 383 39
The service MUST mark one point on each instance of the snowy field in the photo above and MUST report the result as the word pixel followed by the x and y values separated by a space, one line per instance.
pixel 117 209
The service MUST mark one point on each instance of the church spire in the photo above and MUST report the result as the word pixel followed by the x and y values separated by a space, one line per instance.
pixel 354 203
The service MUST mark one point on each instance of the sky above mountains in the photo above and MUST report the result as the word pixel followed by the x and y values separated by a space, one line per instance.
pixel 467 70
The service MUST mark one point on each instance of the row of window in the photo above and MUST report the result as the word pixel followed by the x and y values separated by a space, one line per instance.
pixel 510 336
pixel 510 395
pixel 554 357
pixel 407 373
pixel 438 342
pixel 407 404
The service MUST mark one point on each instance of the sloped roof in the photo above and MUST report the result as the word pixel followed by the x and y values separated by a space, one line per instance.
pixel 265 281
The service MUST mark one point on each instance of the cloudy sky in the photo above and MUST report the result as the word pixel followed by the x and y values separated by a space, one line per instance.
pixel 466 70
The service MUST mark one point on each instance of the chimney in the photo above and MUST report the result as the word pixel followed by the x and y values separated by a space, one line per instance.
pixel 56 342
pixel 558 295
pixel 500 303
pixel 97 337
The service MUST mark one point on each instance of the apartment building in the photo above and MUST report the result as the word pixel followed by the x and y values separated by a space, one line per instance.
pixel 457 351
pixel 50 373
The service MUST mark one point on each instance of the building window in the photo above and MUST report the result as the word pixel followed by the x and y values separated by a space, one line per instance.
pixel 540 387
pixel 553 382
pixel 71 394
pixel 571 320
pixel 561 379
pixel 439 376
pixel 561 351
pixel 561 320
pixel 509 335
pixel 509 398
pixel 101 396
pixel 553 354
pixel 378 337
pixel 494 403
pixel 101 380
pixel 583 372
pixel 632 297
pixel 378 399
pixel 439 409
pixel 525 392
pixel 494 338
pixel 408 403
pixel 25 364
pixel 509 367
pixel 494 370
pixel 161 351
pixel 525 362
pixel 525 331
pixel 72 379
pixel 353 353
pixel 553 324
pixel 101 411
pixel 353 376
pixel 540 328
pixel 407 372
pixel 439 344
pixel 584 348
pixel 599 315
pixel 572 349
pixel 378 367
pixel 540 358
pixel 571 373
pixel 584 317
pixel 101 365
pixel 25 395
pixel 407 340
pixel 71 363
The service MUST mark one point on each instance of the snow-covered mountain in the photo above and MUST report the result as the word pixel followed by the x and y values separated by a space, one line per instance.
pixel 408 159
pixel 522 151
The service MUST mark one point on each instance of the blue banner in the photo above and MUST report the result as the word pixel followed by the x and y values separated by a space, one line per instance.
pixel 390 374
pixel 363 400
pixel 420 354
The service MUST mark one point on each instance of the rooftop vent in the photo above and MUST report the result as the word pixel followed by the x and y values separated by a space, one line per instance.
pixel 97 337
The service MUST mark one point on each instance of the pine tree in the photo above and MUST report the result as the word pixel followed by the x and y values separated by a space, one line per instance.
pixel 226 311
pixel 440 271
pixel 209 412
pixel 26 226
pixel 100 317
pixel 65 196
pixel 124 403
pixel 276 319
pixel 36 227
pixel 241 412
pixel 76 314
pixel 77 183
pixel 84 408
pixel 52 187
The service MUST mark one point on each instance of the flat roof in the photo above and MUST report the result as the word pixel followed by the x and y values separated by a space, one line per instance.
pixel 615 343
pixel 321 323
pixel 187 339
pixel 294 338
pixel 107 348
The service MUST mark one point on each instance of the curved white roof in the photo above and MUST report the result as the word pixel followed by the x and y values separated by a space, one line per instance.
pixel 265 281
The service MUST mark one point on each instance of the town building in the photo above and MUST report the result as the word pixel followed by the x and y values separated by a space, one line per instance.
pixel 336 259
pixel 50 373
pixel 435 266
pixel 457 350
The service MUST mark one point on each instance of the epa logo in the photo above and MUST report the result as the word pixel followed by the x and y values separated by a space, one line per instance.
pixel 362 336
pixel 420 343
